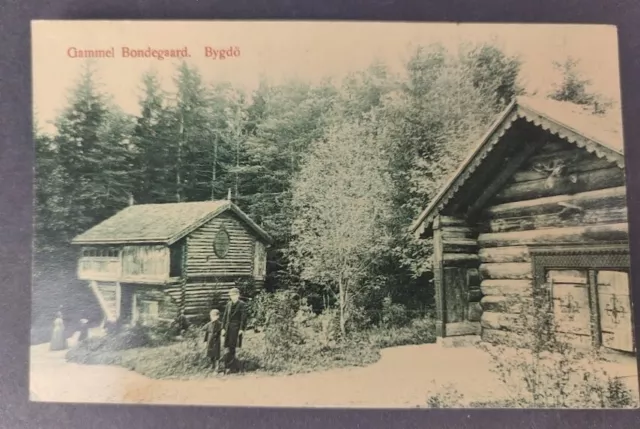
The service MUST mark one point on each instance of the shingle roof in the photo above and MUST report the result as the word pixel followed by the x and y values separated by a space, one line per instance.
pixel 605 130
pixel 160 223
pixel 601 135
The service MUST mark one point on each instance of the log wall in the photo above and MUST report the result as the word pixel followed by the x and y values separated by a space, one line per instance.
pixel 199 297
pixel 167 306
pixel 202 259
pixel 584 202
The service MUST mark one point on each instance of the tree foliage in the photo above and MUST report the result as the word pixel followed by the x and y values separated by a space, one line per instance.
pixel 334 171
pixel 341 206
pixel 574 87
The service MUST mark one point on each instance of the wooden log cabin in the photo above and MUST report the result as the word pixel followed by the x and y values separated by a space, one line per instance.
pixel 149 261
pixel 539 205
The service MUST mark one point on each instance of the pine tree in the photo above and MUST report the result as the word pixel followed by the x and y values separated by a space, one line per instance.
pixel 282 122
pixel 574 87
pixel 93 146
pixel 153 140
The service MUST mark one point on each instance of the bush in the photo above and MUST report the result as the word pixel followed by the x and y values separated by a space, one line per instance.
pixel 550 373
pixel 394 315
pixel 418 331
pixel 134 337
pixel 446 397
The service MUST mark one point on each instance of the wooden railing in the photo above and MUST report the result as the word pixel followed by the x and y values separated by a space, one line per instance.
pixel 99 268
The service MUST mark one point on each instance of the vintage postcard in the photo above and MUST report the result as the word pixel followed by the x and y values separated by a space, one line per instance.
pixel 330 214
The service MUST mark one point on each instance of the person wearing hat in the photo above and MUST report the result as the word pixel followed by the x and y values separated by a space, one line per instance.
pixel 233 324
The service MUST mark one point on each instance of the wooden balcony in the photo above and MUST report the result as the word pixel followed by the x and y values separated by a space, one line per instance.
pixel 99 268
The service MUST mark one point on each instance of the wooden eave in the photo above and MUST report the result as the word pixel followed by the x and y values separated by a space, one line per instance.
pixel 168 241
pixel 488 142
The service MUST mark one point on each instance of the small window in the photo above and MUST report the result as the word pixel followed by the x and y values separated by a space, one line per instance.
pixel 149 311
pixel 221 243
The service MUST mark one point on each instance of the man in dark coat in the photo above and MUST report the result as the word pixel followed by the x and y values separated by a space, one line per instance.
pixel 234 323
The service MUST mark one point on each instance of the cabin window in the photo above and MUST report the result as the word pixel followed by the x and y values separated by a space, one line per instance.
pixel 110 252
pixel 149 311
pixel 590 294
pixel 221 243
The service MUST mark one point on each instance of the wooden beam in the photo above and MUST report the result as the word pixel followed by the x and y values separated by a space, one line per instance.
pixel 579 166
pixel 504 254
pixel 565 216
pixel 503 176
pixel 103 304
pixel 602 198
pixel 501 287
pixel 460 258
pixel 118 300
pixel 616 232
pixel 459 246
pixel 463 328
pixel 504 304
pixel 508 270
pixel 588 181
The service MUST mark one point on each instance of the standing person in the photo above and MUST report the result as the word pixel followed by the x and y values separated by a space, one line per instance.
pixel 233 325
pixel 58 337
pixel 213 331
pixel 84 329
pixel 180 324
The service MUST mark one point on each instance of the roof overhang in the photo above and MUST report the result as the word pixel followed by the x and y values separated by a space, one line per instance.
pixel 168 241
pixel 515 110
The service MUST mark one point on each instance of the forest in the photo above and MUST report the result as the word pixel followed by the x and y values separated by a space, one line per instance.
pixel 335 171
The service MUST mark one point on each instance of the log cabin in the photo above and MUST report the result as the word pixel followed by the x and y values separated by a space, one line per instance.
pixel 538 206
pixel 149 261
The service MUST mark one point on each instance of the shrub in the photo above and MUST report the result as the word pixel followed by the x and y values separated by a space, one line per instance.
pixel 393 314
pixel 418 331
pixel 551 373
pixel 445 397
pixel 133 337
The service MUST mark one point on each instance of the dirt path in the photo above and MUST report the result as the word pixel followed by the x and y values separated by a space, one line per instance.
pixel 403 377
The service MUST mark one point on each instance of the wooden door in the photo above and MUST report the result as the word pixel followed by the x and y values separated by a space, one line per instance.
pixel 615 310
pixel 572 314
pixel 456 294
pixel 126 303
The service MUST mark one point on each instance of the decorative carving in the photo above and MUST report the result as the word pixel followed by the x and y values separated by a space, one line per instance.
pixel 554 170
pixel 613 309
pixel 570 307
pixel 569 210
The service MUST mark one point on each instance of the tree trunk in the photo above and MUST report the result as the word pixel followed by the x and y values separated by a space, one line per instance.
pixel 179 161
pixel 343 304
pixel 213 168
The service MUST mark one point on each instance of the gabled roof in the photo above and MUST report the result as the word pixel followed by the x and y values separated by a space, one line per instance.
pixel 161 223
pixel 600 135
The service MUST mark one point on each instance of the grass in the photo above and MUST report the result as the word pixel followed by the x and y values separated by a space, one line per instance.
pixel 157 356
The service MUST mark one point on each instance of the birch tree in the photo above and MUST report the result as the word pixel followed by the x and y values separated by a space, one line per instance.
pixel 340 202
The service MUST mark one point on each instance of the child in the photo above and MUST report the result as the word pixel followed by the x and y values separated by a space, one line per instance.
pixel 84 329
pixel 212 335
pixel 58 337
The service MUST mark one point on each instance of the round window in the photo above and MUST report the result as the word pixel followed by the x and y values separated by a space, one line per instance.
pixel 221 243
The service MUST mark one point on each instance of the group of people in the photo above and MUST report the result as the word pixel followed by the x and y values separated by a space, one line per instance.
pixel 231 327
pixel 59 334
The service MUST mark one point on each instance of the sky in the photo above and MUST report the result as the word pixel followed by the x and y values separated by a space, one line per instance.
pixel 308 50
